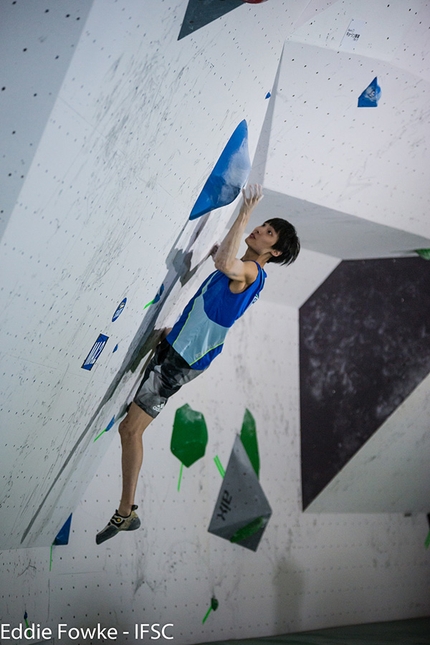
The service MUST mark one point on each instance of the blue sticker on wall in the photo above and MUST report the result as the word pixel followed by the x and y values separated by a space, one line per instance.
pixel 371 95
pixel 119 309
pixel 229 175
pixel 95 352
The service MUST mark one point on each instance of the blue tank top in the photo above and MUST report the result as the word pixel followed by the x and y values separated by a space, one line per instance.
pixel 199 334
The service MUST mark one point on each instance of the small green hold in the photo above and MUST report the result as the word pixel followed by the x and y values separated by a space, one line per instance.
pixel 248 530
pixel 189 435
pixel 423 253
pixel 213 607
pixel 248 436
pixel 157 297
pixel 219 465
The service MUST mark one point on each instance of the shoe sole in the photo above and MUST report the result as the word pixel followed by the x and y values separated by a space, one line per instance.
pixel 110 531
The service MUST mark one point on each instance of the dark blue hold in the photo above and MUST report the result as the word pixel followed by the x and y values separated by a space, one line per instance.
pixel 268 95
pixel 110 424
pixel 371 95
pixel 115 349
pixel 159 294
pixel 119 309
pixel 63 535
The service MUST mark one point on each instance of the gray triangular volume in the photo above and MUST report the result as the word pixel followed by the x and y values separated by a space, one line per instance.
pixel 201 12
pixel 241 510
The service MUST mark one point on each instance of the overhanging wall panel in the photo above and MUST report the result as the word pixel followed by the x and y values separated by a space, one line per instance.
pixel 364 162
pixel 385 30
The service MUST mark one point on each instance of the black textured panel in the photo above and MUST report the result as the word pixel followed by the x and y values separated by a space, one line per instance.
pixel 201 12
pixel 364 346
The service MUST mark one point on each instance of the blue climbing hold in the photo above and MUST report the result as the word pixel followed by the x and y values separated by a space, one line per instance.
pixel 119 309
pixel 63 534
pixel 110 424
pixel 229 175
pixel 371 95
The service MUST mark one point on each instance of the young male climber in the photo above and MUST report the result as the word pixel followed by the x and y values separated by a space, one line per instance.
pixel 198 337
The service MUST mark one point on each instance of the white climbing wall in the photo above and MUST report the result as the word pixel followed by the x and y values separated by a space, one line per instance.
pixel 109 128
pixel 120 163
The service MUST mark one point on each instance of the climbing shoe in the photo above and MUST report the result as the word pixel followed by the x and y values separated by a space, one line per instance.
pixel 119 523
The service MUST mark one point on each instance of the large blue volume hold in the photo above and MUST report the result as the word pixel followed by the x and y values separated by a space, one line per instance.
pixel 229 175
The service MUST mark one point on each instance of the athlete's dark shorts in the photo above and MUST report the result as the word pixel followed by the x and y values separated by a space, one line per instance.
pixel 166 373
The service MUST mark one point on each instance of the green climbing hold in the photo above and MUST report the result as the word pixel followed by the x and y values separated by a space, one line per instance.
pixel 219 465
pixel 189 435
pixel 248 436
pixel 248 530
pixel 213 607
pixel 423 253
